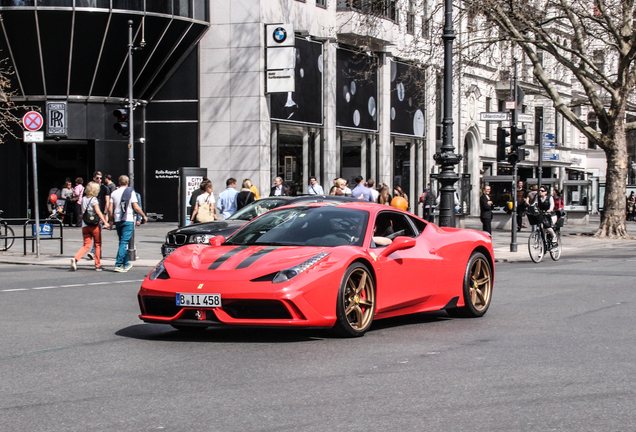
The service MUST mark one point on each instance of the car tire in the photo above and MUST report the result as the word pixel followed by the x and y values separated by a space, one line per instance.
pixel 356 302
pixel 477 291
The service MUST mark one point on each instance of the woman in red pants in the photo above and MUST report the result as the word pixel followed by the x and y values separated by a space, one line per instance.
pixel 90 206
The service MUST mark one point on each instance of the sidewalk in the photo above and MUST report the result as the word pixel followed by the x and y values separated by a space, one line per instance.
pixel 577 240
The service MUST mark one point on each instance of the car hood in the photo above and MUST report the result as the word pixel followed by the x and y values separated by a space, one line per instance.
pixel 209 227
pixel 197 261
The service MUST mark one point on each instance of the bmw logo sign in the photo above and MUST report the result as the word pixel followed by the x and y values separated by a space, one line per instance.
pixel 280 34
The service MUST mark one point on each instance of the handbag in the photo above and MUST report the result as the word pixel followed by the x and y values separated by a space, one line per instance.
pixel 206 211
pixel 90 217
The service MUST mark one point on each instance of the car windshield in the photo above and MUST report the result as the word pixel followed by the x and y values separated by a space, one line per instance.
pixel 305 226
pixel 257 208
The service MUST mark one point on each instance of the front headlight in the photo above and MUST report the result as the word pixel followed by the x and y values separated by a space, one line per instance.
pixel 200 238
pixel 159 272
pixel 292 272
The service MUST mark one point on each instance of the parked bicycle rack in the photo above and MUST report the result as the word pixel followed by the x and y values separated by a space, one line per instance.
pixel 46 233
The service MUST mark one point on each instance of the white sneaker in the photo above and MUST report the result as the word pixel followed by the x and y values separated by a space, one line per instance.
pixel 73 264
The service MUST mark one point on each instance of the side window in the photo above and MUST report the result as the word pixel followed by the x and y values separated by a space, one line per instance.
pixel 419 224
pixel 390 224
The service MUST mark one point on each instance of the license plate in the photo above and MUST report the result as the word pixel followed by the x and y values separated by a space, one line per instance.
pixel 199 300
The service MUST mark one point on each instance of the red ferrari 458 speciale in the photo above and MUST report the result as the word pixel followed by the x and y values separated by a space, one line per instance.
pixel 322 265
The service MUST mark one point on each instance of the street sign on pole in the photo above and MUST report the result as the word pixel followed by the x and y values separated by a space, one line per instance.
pixel 525 118
pixel 510 105
pixel 33 137
pixel 494 116
pixel 32 121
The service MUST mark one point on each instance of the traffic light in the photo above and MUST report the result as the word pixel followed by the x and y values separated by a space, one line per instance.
pixel 123 125
pixel 516 152
pixel 502 134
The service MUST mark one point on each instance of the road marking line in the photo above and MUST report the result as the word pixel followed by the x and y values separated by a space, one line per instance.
pixel 72 286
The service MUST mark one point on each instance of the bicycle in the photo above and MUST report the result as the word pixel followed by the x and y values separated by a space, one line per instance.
pixel 7 237
pixel 538 242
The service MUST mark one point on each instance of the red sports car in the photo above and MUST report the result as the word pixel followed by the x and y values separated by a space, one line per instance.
pixel 322 265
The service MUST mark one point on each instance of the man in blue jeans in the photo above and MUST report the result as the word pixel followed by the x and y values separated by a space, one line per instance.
pixel 123 209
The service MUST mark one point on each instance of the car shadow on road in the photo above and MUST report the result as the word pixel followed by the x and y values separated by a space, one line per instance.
pixel 166 333
pixel 418 318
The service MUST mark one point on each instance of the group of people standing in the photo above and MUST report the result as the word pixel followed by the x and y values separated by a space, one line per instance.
pixel 105 206
pixel 231 200
pixel 552 204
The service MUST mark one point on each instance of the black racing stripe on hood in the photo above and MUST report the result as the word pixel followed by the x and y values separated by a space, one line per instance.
pixel 226 256
pixel 256 255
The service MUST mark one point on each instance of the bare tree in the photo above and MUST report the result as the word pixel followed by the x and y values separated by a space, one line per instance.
pixel 595 42
pixel 8 108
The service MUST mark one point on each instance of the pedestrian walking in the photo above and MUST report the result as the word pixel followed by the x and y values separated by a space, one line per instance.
pixel 204 206
pixel 227 199
pixel 245 196
pixel 91 231
pixel 104 205
pixel 109 182
pixel 314 188
pixel 123 209
pixel 254 189
pixel 485 209
pixel 521 204
pixel 195 194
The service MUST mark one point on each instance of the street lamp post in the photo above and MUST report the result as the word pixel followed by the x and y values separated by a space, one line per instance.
pixel 447 158
pixel 131 129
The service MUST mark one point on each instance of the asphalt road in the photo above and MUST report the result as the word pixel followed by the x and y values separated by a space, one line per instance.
pixel 555 352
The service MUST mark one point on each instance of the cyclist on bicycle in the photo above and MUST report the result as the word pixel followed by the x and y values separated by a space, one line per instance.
pixel 545 202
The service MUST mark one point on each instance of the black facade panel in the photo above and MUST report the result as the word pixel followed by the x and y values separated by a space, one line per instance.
pixel 77 121
pixel 170 111
pixel 114 56
pixel 169 146
pixel 166 46
pixel 407 99
pixel 182 85
pixel 22 34
pixel 305 104
pixel 55 34
pixel 356 90
pixel 87 43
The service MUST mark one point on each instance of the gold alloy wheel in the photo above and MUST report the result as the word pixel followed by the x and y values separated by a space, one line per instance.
pixel 359 299
pixel 480 284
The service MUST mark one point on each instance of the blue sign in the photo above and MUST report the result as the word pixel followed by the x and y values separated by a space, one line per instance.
pixel 550 156
pixel 548 137
pixel 45 229
pixel 548 144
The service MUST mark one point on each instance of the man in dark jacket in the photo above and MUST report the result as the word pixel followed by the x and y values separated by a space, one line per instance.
pixel 280 189
pixel 485 209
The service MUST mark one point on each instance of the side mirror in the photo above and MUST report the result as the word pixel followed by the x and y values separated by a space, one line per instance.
pixel 399 243
pixel 217 240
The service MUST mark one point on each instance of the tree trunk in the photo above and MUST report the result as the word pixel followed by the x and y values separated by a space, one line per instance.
pixel 614 203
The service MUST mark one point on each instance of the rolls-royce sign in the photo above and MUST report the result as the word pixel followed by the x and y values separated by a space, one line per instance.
pixel 56 125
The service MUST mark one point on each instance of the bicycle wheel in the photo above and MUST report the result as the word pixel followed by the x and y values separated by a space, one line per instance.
pixel 535 246
pixel 555 252
pixel 6 237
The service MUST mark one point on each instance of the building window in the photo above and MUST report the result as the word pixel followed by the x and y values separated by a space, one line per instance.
pixel 426 27
pixel 302 1
pixel 410 19
pixel 382 8
pixel 321 3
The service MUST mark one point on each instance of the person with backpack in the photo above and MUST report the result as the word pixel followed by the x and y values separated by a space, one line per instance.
pixel 91 231
pixel 124 206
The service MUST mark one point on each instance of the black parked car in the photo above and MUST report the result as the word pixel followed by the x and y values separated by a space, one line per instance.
pixel 202 232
